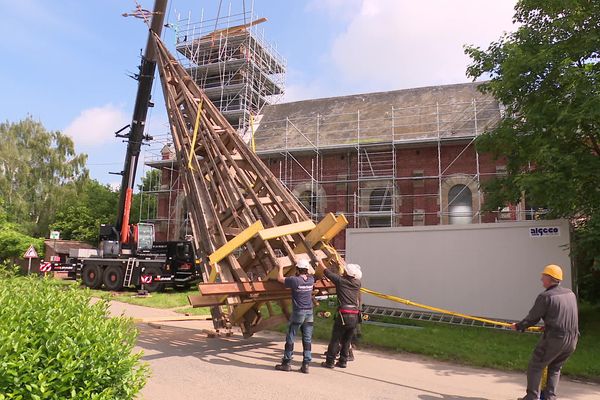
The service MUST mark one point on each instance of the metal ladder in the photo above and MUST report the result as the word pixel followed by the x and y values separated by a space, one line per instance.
pixel 131 263
pixel 424 316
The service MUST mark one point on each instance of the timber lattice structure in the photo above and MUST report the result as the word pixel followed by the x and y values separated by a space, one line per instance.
pixel 245 222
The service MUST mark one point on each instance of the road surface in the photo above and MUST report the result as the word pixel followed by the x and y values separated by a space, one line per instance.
pixel 186 365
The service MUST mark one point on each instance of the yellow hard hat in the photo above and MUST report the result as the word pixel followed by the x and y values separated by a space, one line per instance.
pixel 554 271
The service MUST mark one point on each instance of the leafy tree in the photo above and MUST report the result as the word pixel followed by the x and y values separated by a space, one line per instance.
pixel 38 170
pixel 14 243
pixel 547 75
pixel 80 218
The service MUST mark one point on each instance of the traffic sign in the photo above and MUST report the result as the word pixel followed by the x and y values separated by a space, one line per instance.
pixel 54 235
pixel 31 253
pixel 46 267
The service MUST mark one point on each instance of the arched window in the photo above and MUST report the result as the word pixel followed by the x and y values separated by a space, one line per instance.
pixel 380 201
pixel 460 205
pixel 308 200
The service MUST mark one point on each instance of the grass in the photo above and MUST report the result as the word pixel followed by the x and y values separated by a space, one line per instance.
pixel 481 347
pixel 169 299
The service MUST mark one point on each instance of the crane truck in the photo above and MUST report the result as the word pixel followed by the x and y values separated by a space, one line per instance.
pixel 127 254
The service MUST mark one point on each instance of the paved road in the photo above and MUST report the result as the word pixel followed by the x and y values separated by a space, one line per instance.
pixel 187 365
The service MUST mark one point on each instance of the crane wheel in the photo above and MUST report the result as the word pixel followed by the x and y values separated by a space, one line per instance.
pixel 91 275
pixel 113 278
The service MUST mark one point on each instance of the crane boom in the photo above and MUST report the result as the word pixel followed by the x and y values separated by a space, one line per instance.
pixel 138 121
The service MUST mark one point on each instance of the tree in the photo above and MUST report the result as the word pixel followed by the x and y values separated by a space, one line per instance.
pixel 14 243
pixel 38 170
pixel 80 218
pixel 547 75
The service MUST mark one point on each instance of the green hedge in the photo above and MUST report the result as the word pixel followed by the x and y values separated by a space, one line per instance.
pixel 55 345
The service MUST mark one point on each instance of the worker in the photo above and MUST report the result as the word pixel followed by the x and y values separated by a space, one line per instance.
pixel 557 306
pixel 302 318
pixel 347 318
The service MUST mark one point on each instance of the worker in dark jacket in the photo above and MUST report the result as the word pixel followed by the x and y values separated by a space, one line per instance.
pixel 347 287
pixel 302 285
pixel 557 306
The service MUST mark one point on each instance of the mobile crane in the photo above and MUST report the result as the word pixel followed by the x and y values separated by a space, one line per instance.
pixel 127 253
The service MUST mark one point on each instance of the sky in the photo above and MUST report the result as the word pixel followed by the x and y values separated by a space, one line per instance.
pixel 66 63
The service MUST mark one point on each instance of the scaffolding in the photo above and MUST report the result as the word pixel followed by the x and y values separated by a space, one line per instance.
pixel 229 59
pixel 381 187
pixel 162 201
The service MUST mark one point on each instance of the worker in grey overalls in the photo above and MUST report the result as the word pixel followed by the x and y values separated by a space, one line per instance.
pixel 557 306
pixel 347 287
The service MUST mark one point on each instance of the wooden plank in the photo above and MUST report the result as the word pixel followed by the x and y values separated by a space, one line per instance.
pixel 270 323
pixel 286 262
pixel 285 230
pixel 240 310
pixel 263 200
pixel 314 236
pixel 197 300
pixel 236 242
pixel 248 288
pixel 339 226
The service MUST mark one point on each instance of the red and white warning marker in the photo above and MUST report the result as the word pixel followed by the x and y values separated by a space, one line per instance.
pixel 46 267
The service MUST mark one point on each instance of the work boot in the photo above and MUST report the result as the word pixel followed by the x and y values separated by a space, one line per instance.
pixel 284 366
pixel 340 364
pixel 327 365
pixel 304 368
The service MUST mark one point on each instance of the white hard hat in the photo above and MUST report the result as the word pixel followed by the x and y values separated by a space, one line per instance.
pixel 353 270
pixel 305 264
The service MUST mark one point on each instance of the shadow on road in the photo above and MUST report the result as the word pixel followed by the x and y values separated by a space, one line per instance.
pixel 169 341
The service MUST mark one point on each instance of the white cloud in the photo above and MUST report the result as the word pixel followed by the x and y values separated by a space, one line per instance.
pixel 115 186
pixel 312 90
pixel 391 44
pixel 96 125
pixel 338 9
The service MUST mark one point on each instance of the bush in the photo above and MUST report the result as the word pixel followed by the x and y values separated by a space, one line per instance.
pixel 14 243
pixel 54 344
pixel 8 269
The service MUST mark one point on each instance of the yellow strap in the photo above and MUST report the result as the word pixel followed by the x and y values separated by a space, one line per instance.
pixel 252 131
pixel 196 126
pixel 441 310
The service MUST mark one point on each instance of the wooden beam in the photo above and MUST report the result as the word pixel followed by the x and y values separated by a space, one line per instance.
pixel 285 230
pixel 339 226
pixel 240 310
pixel 197 300
pixel 315 235
pixel 248 288
pixel 270 323
pixel 236 242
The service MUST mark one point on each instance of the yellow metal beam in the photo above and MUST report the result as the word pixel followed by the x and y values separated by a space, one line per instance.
pixel 236 242
pixel 285 230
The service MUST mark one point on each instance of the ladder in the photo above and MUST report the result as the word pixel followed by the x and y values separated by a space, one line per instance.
pixel 131 264
pixel 424 316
